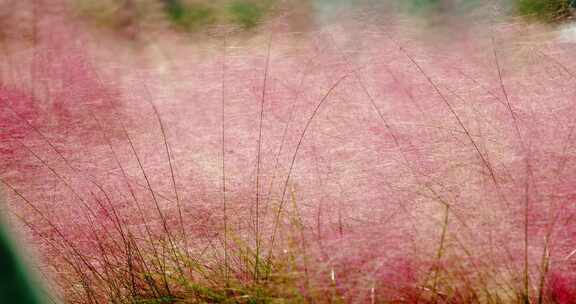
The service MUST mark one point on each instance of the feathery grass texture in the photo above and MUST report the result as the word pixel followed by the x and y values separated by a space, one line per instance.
pixel 358 163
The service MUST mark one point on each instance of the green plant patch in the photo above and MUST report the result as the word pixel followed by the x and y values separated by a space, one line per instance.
pixel 428 6
pixel 159 300
pixel 189 17
pixel 245 14
pixel 545 10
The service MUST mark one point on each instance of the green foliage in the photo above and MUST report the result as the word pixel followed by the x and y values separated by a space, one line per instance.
pixel 246 14
pixel 16 284
pixel 438 6
pixel 424 3
pixel 189 17
pixel 186 15
pixel 157 300
pixel 545 10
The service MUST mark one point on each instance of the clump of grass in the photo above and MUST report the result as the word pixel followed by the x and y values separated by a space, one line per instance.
pixel 545 10
pixel 245 13
pixel 187 16
pixel 190 16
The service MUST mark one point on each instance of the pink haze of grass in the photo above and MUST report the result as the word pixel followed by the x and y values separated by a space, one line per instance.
pixel 442 167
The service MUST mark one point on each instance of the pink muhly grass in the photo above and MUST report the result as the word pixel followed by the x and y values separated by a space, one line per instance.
pixel 329 166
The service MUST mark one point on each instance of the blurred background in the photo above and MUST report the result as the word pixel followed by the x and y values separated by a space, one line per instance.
pixel 131 18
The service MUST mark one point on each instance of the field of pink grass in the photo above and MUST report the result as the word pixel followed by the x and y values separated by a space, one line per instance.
pixel 362 162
